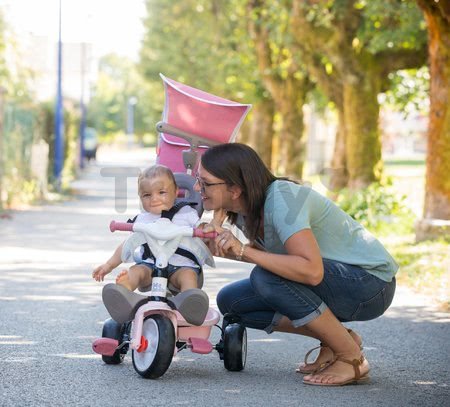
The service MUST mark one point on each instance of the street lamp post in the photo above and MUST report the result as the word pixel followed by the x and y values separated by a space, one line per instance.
pixel 132 100
pixel 59 116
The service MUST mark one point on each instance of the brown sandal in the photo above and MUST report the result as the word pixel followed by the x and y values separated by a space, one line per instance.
pixel 357 379
pixel 301 369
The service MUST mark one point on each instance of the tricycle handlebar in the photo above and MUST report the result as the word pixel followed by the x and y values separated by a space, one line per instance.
pixel 158 232
pixel 199 233
pixel 123 226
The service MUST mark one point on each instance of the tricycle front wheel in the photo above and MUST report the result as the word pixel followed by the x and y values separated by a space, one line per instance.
pixel 158 345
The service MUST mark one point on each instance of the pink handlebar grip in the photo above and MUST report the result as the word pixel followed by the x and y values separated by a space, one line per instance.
pixel 209 235
pixel 123 226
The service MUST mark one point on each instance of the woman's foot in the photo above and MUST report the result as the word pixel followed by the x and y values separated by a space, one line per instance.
pixel 344 370
pixel 124 280
pixel 325 357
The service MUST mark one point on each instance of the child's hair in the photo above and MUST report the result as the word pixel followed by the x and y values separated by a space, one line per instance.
pixel 157 170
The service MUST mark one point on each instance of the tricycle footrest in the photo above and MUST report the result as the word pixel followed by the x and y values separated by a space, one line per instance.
pixel 105 346
pixel 199 345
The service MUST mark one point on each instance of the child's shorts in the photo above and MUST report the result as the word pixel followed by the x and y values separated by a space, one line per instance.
pixel 172 269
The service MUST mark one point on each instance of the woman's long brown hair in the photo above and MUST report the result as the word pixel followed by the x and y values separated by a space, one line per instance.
pixel 238 164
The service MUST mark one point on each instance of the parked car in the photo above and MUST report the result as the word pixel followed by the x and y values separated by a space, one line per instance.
pixel 90 143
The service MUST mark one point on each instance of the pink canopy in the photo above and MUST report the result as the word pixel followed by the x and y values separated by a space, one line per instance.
pixel 213 119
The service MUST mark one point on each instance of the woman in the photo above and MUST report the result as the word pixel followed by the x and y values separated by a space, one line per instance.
pixel 316 267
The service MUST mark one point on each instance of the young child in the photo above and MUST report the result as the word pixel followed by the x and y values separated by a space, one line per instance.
pixel 157 190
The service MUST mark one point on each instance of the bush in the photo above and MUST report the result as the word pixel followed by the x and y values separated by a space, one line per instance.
pixel 379 208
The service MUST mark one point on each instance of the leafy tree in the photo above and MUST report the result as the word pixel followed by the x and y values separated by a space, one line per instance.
pixel 350 47
pixel 437 190
pixel 117 82
pixel 282 75
pixel 192 42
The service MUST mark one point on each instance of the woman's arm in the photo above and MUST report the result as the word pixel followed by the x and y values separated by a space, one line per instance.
pixel 302 263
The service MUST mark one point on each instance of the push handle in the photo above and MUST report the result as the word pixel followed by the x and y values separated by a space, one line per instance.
pixel 123 226
pixel 208 235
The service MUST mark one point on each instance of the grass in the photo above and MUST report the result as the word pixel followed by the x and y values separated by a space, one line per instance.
pixel 424 266
pixel 404 162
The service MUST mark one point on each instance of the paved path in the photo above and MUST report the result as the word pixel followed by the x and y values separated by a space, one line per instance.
pixel 51 310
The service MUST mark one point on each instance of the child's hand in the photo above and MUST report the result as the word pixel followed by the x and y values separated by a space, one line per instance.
pixel 101 271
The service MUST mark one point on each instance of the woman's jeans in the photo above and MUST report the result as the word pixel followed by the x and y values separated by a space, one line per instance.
pixel 350 292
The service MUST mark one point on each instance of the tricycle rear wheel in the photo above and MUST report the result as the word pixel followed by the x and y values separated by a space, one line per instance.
pixel 234 347
pixel 113 330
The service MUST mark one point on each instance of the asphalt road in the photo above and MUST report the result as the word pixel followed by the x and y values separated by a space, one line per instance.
pixel 51 311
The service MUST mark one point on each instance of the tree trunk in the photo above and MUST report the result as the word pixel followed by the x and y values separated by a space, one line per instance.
pixel 436 213
pixel 437 195
pixel 287 89
pixel 244 132
pixel 363 145
pixel 292 145
pixel 261 130
pixel 2 133
pixel 338 171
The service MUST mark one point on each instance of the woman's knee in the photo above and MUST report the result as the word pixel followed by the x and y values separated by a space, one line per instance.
pixel 224 299
pixel 236 297
pixel 262 281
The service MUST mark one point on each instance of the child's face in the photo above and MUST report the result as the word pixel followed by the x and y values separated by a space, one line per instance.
pixel 157 194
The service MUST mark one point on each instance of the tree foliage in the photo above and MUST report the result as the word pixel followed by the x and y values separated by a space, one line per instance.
pixel 350 47
pixel 201 43
pixel 117 82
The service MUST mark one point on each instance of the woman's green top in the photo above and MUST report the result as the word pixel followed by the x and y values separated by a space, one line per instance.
pixel 290 208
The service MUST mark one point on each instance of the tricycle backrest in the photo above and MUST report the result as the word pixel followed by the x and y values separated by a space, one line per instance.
pixel 185 183
pixel 213 119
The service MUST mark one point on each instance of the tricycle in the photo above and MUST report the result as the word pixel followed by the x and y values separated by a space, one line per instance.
pixel 150 325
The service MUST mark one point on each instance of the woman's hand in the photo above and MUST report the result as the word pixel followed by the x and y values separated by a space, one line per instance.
pixel 225 244
pixel 228 245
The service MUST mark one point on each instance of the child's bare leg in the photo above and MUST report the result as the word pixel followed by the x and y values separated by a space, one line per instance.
pixel 184 279
pixel 136 276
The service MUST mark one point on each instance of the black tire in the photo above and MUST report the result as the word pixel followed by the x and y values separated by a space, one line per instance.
pixel 156 359
pixel 114 330
pixel 235 347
